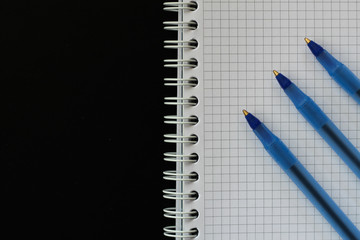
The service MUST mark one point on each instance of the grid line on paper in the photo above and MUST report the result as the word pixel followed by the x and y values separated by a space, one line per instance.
pixel 247 196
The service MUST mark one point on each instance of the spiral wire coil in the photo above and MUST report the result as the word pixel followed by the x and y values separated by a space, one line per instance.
pixel 178 175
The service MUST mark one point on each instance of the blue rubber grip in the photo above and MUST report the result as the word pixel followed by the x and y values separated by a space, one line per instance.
pixel 323 202
pixel 341 74
pixel 332 135
pixel 306 183
pixel 325 127
pixel 275 147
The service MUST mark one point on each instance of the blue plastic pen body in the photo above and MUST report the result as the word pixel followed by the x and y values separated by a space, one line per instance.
pixel 338 71
pixel 323 125
pixel 306 183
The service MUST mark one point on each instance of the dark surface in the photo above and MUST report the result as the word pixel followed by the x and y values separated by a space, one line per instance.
pixel 82 118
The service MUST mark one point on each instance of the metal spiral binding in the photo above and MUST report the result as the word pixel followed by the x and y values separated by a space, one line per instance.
pixel 174 157
pixel 174 195
pixel 176 63
pixel 178 138
pixel 180 25
pixel 176 6
pixel 171 231
pixel 173 119
pixel 191 82
pixel 172 213
pixel 190 101
pixel 175 44
pixel 173 175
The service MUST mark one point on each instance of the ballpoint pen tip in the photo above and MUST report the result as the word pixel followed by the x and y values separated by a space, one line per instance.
pixel 245 112
pixel 307 40
pixel 275 73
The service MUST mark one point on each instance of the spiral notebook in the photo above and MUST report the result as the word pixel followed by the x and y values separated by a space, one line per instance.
pixel 225 184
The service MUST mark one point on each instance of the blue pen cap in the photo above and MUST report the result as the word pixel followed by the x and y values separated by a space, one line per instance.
pixel 293 92
pixel 330 63
pixel 252 120
pixel 303 103
pixel 266 137
pixel 313 114
pixel 275 147
pixel 283 81
pixel 297 96
pixel 315 48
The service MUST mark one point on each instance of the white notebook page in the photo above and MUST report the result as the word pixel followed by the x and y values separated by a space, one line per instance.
pixel 246 194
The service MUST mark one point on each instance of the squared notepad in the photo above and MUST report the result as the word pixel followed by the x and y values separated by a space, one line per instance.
pixel 242 192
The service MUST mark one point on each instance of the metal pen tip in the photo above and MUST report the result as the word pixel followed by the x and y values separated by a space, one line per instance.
pixel 307 40
pixel 245 112
pixel 275 73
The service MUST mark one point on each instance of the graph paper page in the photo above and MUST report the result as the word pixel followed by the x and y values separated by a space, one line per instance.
pixel 246 194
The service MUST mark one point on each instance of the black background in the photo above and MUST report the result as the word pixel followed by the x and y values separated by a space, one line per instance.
pixel 81 126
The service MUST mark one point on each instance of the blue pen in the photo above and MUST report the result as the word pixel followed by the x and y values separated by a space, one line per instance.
pixel 322 124
pixel 303 179
pixel 338 71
